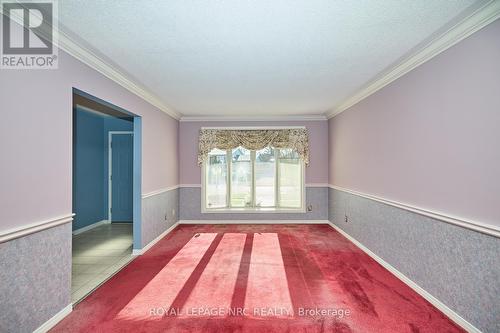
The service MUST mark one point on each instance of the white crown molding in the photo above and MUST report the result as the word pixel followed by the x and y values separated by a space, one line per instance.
pixel 25 230
pixel 480 18
pixel 461 222
pixel 254 118
pixel 160 191
pixel 86 56
pixel 477 20
pixel 66 43
pixel 422 292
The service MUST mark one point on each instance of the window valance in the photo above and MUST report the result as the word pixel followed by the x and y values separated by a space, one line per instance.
pixel 224 139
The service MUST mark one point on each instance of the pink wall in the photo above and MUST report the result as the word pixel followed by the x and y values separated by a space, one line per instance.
pixel 317 172
pixel 36 139
pixel 431 138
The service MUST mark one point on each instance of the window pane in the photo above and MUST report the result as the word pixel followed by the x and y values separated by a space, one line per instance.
pixel 290 179
pixel 241 178
pixel 216 179
pixel 265 176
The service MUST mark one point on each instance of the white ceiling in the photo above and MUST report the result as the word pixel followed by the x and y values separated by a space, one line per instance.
pixel 255 57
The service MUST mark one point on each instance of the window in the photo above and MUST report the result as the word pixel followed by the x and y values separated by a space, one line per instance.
pixel 216 179
pixel 269 179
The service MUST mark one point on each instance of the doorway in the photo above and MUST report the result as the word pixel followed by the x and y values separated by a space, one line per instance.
pixel 120 174
pixel 106 191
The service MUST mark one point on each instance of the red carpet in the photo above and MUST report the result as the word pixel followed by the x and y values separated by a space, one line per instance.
pixel 255 278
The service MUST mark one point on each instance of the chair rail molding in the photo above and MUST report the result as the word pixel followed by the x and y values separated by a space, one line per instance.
pixel 10 234
pixel 459 221
pixel 160 191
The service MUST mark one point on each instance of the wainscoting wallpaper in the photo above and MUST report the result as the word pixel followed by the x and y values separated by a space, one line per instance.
pixel 159 212
pixel 190 207
pixel 458 266
pixel 35 278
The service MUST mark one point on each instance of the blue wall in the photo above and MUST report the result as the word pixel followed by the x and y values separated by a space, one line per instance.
pixel 90 166
pixel 88 171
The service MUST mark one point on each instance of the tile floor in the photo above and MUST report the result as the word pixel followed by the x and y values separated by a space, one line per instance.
pixel 97 255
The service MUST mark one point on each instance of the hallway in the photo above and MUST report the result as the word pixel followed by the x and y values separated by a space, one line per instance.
pixel 97 255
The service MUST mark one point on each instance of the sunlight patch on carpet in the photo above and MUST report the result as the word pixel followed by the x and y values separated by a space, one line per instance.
pixel 267 291
pixel 213 293
pixel 162 290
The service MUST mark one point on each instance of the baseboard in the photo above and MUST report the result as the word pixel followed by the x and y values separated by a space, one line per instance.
pixel 45 327
pixel 138 252
pixel 253 222
pixel 89 227
pixel 422 292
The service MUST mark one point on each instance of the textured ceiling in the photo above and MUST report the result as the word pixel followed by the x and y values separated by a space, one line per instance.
pixel 255 57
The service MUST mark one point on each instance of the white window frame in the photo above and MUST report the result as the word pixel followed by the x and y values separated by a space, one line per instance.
pixel 276 209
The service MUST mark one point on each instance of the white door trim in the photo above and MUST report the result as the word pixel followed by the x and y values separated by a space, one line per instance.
pixel 110 165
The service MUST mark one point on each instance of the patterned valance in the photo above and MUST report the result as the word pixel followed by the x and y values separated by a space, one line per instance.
pixel 224 139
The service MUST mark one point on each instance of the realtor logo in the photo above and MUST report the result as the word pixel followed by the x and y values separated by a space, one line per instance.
pixel 28 35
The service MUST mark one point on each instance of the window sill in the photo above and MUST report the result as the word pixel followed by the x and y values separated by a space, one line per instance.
pixel 253 210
